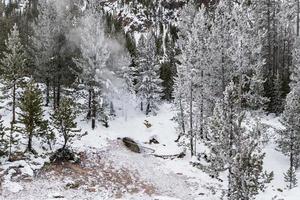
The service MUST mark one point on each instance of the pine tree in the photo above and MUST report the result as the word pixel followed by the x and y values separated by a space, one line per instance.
pixel 248 63
pixel 94 57
pixel 4 140
pixel 63 120
pixel 289 140
pixel 47 134
pixel 43 43
pixel 31 115
pixel 223 127
pixel 235 148
pixel 291 178
pixel 12 65
pixel 248 177
pixel 192 85
pixel 266 21
pixel 221 48
pixel 148 85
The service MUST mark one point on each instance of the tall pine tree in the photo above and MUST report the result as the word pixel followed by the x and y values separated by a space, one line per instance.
pixel 148 85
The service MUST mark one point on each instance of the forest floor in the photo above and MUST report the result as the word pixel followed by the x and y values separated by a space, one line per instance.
pixel 108 170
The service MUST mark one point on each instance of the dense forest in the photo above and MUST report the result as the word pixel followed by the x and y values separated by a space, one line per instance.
pixel 69 67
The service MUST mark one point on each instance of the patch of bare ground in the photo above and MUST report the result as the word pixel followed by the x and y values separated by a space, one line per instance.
pixel 95 172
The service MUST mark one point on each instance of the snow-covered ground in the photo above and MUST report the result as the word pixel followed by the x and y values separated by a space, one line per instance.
pixel 110 171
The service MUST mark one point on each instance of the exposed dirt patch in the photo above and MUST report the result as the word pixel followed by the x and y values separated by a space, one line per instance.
pixel 95 172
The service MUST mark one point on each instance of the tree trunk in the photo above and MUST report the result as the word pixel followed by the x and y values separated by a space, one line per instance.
pixel 94 109
pixel 14 104
pixel 202 105
pixel 291 160
pixel 191 120
pixel 88 116
pixel 65 142
pixel 148 110
pixel 54 95
pixel 29 146
pixel 142 108
pixel 58 94
pixel 182 120
pixel 47 92
pixel 10 140
pixel 298 18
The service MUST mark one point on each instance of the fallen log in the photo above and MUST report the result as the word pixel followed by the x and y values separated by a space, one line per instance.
pixel 131 145
pixel 181 155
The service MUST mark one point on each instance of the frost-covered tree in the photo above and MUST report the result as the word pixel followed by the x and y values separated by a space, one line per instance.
pixel 235 148
pixel 63 119
pixel 12 66
pixel 32 113
pixel 223 126
pixel 246 54
pixel 291 178
pixel 221 48
pixel 289 140
pixel 4 140
pixel 248 177
pixel 94 56
pixel 266 20
pixel 191 84
pixel 43 43
pixel 148 85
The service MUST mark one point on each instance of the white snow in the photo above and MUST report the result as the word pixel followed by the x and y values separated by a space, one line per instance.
pixel 173 179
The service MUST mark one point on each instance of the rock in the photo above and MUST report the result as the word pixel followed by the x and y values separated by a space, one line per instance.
pixel 181 155
pixel 74 185
pixel 147 124
pixel 58 197
pixel 91 189
pixel 279 190
pixel 153 140
pixel 131 145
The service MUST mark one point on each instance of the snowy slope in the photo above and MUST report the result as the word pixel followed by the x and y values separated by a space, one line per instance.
pixel 110 171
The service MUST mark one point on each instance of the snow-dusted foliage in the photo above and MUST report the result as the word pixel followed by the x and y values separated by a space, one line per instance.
pixel 289 140
pixel 12 66
pixel 236 148
pixel 148 84
pixel 193 84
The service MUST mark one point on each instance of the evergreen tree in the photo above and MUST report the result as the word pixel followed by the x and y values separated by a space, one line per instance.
pixel 223 127
pixel 94 57
pixel 148 85
pixel 4 140
pixel 47 134
pixel 43 43
pixel 192 92
pixel 266 20
pixel 168 67
pixel 291 178
pixel 12 65
pixel 63 120
pixel 289 140
pixel 236 149
pixel 31 116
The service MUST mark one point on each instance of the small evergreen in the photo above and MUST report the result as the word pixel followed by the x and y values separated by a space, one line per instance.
pixel 291 178
pixel 47 134
pixel 236 149
pixel 31 116
pixel 4 140
pixel 63 120
pixel 289 138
